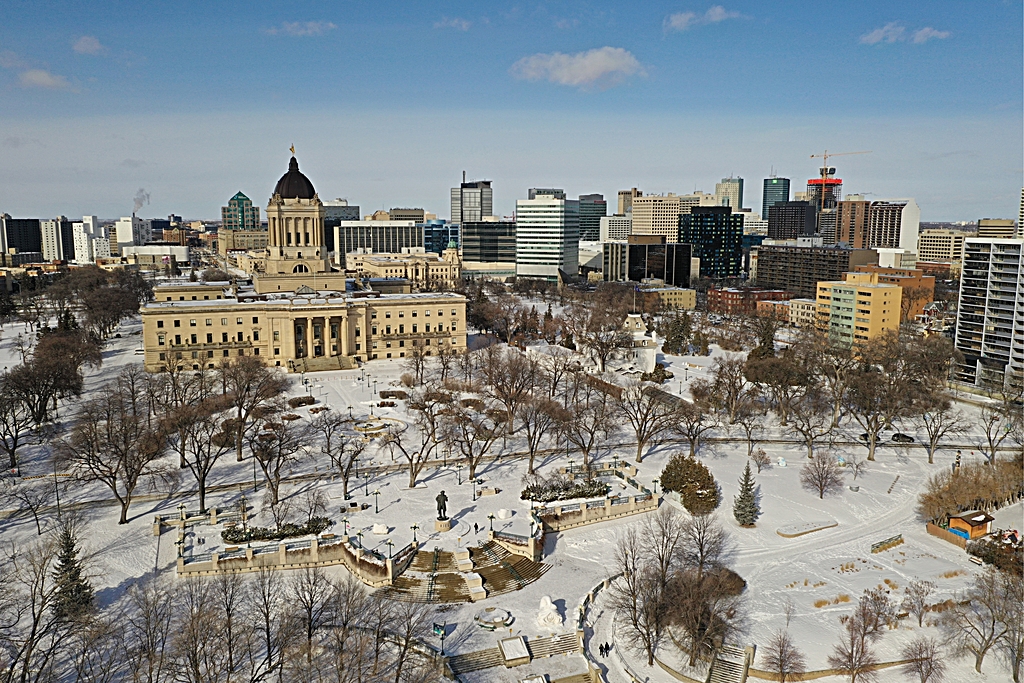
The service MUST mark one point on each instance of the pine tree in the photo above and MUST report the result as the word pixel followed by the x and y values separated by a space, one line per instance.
pixel 745 507
pixel 692 480
pixel 73 597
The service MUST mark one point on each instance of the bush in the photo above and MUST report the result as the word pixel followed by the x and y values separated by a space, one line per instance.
pixel 300 401
pixel 659 375
pixel 1002 556
pixel 288 530
pixel 556 488
pixel 690 478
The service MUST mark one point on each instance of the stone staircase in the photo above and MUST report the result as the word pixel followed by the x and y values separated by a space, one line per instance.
pixel 560 644
pixel 729 666
pixel 475 661
pixel 578 678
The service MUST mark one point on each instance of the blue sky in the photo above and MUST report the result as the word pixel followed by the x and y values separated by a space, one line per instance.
pixel 388 102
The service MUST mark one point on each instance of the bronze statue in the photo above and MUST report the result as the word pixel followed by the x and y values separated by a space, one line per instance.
pixel 442 505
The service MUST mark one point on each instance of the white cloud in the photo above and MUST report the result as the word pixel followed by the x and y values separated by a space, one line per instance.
pixel 681 21
pixel 40 78
pixel 601 67
pixel 927 33
pixel 302 28
pixel 88 45
pixel 890 33
pixel 454 22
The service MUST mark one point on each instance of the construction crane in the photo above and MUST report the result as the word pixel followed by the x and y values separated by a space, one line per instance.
pixel 827 171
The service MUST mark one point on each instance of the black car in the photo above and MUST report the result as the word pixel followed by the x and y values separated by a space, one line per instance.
pixel 899 437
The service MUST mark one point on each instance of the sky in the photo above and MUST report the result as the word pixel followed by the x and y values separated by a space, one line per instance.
pixel 387 103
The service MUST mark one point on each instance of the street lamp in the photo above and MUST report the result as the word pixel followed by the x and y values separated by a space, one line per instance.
pixel 475 482
pixel 255 486
pixel 345 520
pixel 366 483
pixel 376 498
pixel 571 461
pixel 490 519
pixel 359 536
pixel 350 412
pixel 458 471
pixel 390 545
pixel 655 482
pixel 56 489
pixel 375 388
pixel 414 527
pixel 615 462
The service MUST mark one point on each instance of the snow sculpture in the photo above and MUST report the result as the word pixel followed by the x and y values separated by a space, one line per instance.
pixel 548 614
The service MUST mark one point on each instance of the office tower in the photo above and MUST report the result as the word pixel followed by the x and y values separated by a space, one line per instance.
pixel 858 308
pixel 592 208
pixel 439 234
pixel 489 242
pixel 798 269
pixel 399 214
pixel 894 224
pixel 626 198
pixel 996 228
pixel 729 192
pixel 789 220
pixel 533 192
pixel 657 214
pixel 129 231
pixel 472 201
pixel 547 235
pixel 942 246
pixel 852 221
pixel 776 191
pixel 22 234
pixel 753 224
pixel 240 214
pixel 615 228
pixel 335 211
pixel 990 313
pixel 1020 216
pixel 375 236
pixel 650 256
pixel 716 235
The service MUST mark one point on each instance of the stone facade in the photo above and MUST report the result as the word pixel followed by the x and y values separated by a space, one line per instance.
pixel 424 271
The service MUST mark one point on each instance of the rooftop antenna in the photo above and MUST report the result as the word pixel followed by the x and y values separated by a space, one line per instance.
pixel 463 176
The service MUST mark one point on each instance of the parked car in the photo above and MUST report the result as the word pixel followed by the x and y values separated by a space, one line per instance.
pixel 899 437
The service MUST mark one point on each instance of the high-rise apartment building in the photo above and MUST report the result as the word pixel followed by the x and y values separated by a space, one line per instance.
pixel 716 235
pixel 776 191
pixel 547 234
pixel 593 207
pixel 990 313
pixel 729 193
pixel 472 201
pixel 858 308
pixel 789 220
pixel 91 240
pixel 240 214
pixel 130 231
pixel 894 224
pixel 852 221
pixel 996 228
pixel 58 240
pixel 942 246
pixel 626 198
pixel 798 269
pixel 616 228
pixel 1020 216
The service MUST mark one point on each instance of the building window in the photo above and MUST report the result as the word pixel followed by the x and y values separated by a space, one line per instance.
pixel 358 346
pixel 387 329
pixel 223 336
pixel 238 321
pixel 160 339
pixel 414 314
pixel 209 337
pixel 256 351
pixel 255 320
pixel 223 321
pixel 209 354
pixel 414 329
pixel 453 327
pixel 209 321
pixel 191 323
pixel 255 335
pixel 177 339
pixel 159 323
pixel 401 329
pixel 357 332
pixel 401 314
pixel 388 345
pixel 277 336
pixel 453 312
pixel 225 353
pixel 426 314
pixel 241 336
pixel 177 323
pixel 277 351
pixel 426 328
pixel 440 312
pixel 373 330
pixel 193 338
pixel 387 314
pixel 163 356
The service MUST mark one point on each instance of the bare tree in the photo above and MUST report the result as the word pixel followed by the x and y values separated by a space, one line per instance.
pixel 750 417
pixel 705 608
pixel 926 662
pixel 148 619
pixel 98 651
pixel 781 379
pixel 586 418
pixel 598 331
pixel 267 599
pixel 853 655
pixel 822 474
pixel 539 419
pixel 637 594
pixel 446 359
pixel 974 620
pixel 761 459
pixel 174 392
pixel 474 432
pixel 648 414
pixel 276 447
pixel 811 418
pixel 228 592
pixel 876 610
pixel 410 624
pixel 339 444
pixel 416 363
pixel 253 387
pixel 198 647
pixel 916 597
pixel 834 363
pixel 16 421
pixel 32 497
pixel 705 544
pixel 664 537
pixel 996 424
pixel 511 377
pixel 203 438
pixel 310 595
pixel 428 406
pixel 782 657
pixel 729 384
pixel 694 420
pixel 111 443
pixel 1011 645
pixel 936 414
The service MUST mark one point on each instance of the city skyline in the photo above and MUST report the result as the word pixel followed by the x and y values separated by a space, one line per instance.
pixel 196 103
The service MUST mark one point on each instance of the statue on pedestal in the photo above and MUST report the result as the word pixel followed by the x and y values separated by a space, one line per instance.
pixel 442 505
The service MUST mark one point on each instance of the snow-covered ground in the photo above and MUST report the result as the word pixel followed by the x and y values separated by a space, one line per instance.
pixel 811 572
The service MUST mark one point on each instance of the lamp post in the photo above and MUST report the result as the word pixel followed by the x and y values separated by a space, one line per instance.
pixel 359 535
pixel 350 412
pixel 458 471
pixel 655 482
pixel 376 499
pixel 414 527
pixel 366 483
pixel 374 389
pixel 571 461
pixel 490 520
pixel 255 486
pixel 475 482
pixel 615 462
pixel 345 520
pixel 56 489
pixel 390 546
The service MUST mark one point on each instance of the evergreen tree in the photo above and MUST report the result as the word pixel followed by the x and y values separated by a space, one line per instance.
pixel 73 597
pixel 692 480
pixel 745 507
